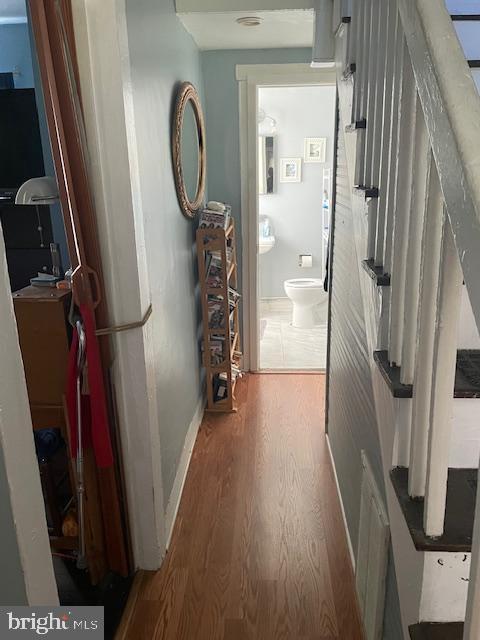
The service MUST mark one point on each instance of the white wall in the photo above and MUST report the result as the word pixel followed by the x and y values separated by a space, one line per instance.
pixel 295 209
pixel 132 57
pixel 188 6
pixel 467 333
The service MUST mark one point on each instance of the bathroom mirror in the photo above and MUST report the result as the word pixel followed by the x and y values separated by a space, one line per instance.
pixel 266 165
pixel 188 150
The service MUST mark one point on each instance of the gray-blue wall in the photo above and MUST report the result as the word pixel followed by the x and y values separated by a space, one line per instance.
pixel 162 56
pixel 223 118
pixel 15 54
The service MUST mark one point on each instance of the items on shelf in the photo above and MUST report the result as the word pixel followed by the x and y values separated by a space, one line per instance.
pixel 216 312
pixel 213 205
pixel 233 298
pixel 214 271
pixel 221 346
pixel 44 280
pixel 217 348
pixel 215 218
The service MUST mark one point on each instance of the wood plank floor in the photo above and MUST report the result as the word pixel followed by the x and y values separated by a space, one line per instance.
pixel 258 550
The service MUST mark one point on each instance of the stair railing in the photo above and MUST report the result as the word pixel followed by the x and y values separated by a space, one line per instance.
pixel 416 116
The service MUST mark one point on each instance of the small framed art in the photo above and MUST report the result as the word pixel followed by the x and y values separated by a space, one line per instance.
pixel 291 170
pixel 315 149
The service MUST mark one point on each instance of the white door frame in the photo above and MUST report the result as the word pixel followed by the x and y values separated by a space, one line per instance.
pixel 18 451
pixel 250 77
pixel 104 69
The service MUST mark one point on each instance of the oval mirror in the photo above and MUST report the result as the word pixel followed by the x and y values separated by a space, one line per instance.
pixel 188 147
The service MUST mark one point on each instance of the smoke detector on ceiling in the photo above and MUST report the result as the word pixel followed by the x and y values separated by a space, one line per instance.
pixel 249 21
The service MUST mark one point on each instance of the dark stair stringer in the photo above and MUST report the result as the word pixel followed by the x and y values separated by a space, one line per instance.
pixel 437 631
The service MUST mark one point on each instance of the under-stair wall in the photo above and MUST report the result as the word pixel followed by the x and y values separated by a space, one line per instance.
pixel 407 180
pixel 352 425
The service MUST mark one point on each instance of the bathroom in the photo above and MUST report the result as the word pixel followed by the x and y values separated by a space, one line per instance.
pixel 295 162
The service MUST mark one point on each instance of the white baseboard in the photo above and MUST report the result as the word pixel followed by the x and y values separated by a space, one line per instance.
pixel 349 540
pixel 177 489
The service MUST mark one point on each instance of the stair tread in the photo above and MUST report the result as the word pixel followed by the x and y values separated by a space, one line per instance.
pixel 465 17
pixel 377 274
pixel 349 70
pixel 436 631
pixel 459 513
pixel 366 192
pixel 357 124
pixel 467 377
pixel 391 375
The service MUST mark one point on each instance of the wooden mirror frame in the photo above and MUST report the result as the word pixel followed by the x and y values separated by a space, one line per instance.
pixel 187 93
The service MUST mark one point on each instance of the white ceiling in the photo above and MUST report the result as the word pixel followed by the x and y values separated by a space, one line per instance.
pixel 219 6
pixel 279 29
pixel 12 11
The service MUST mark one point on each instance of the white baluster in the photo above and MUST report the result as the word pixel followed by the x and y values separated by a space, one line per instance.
pixel 401 201
pixel 391 167
pixel 360 57
pixel 352 34
pixel 444 364
pixel 374 114
pixel 366 55
pixel 359 177
pixel 472 617
pixel 377 49
pixel 381 160
pixel 422 387
pixel 421 169
pixel 388 181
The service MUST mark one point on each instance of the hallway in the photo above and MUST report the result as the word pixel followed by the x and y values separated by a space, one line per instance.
pixel 258 551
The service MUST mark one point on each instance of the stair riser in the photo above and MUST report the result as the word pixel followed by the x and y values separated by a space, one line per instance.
pixel 445 586
pixel 465 442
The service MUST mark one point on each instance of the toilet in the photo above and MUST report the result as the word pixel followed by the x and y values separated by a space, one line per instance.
pixel 305 293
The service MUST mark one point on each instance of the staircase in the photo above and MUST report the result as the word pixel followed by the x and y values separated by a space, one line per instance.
pixel 408 80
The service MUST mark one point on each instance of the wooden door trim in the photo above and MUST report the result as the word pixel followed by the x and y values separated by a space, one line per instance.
pixel 53 32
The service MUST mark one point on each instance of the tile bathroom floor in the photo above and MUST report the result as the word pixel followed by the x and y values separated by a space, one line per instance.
pixel 285 347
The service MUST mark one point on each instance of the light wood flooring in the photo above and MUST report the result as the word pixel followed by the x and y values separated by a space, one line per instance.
pixel 258 550
pixel 285 347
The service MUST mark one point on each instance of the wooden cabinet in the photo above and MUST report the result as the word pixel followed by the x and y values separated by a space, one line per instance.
pixel 44 335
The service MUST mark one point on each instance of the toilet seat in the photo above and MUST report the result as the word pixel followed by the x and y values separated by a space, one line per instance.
pixel 304 283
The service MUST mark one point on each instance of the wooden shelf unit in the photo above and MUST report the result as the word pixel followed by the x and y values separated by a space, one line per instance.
pixel 216 241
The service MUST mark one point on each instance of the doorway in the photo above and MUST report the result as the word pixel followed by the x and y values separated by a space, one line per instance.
pixel 81 521
pixel 295 161
pixel 287 129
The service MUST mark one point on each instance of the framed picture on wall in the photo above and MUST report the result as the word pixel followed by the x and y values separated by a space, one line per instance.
pixel 290 170
pixel 315 149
